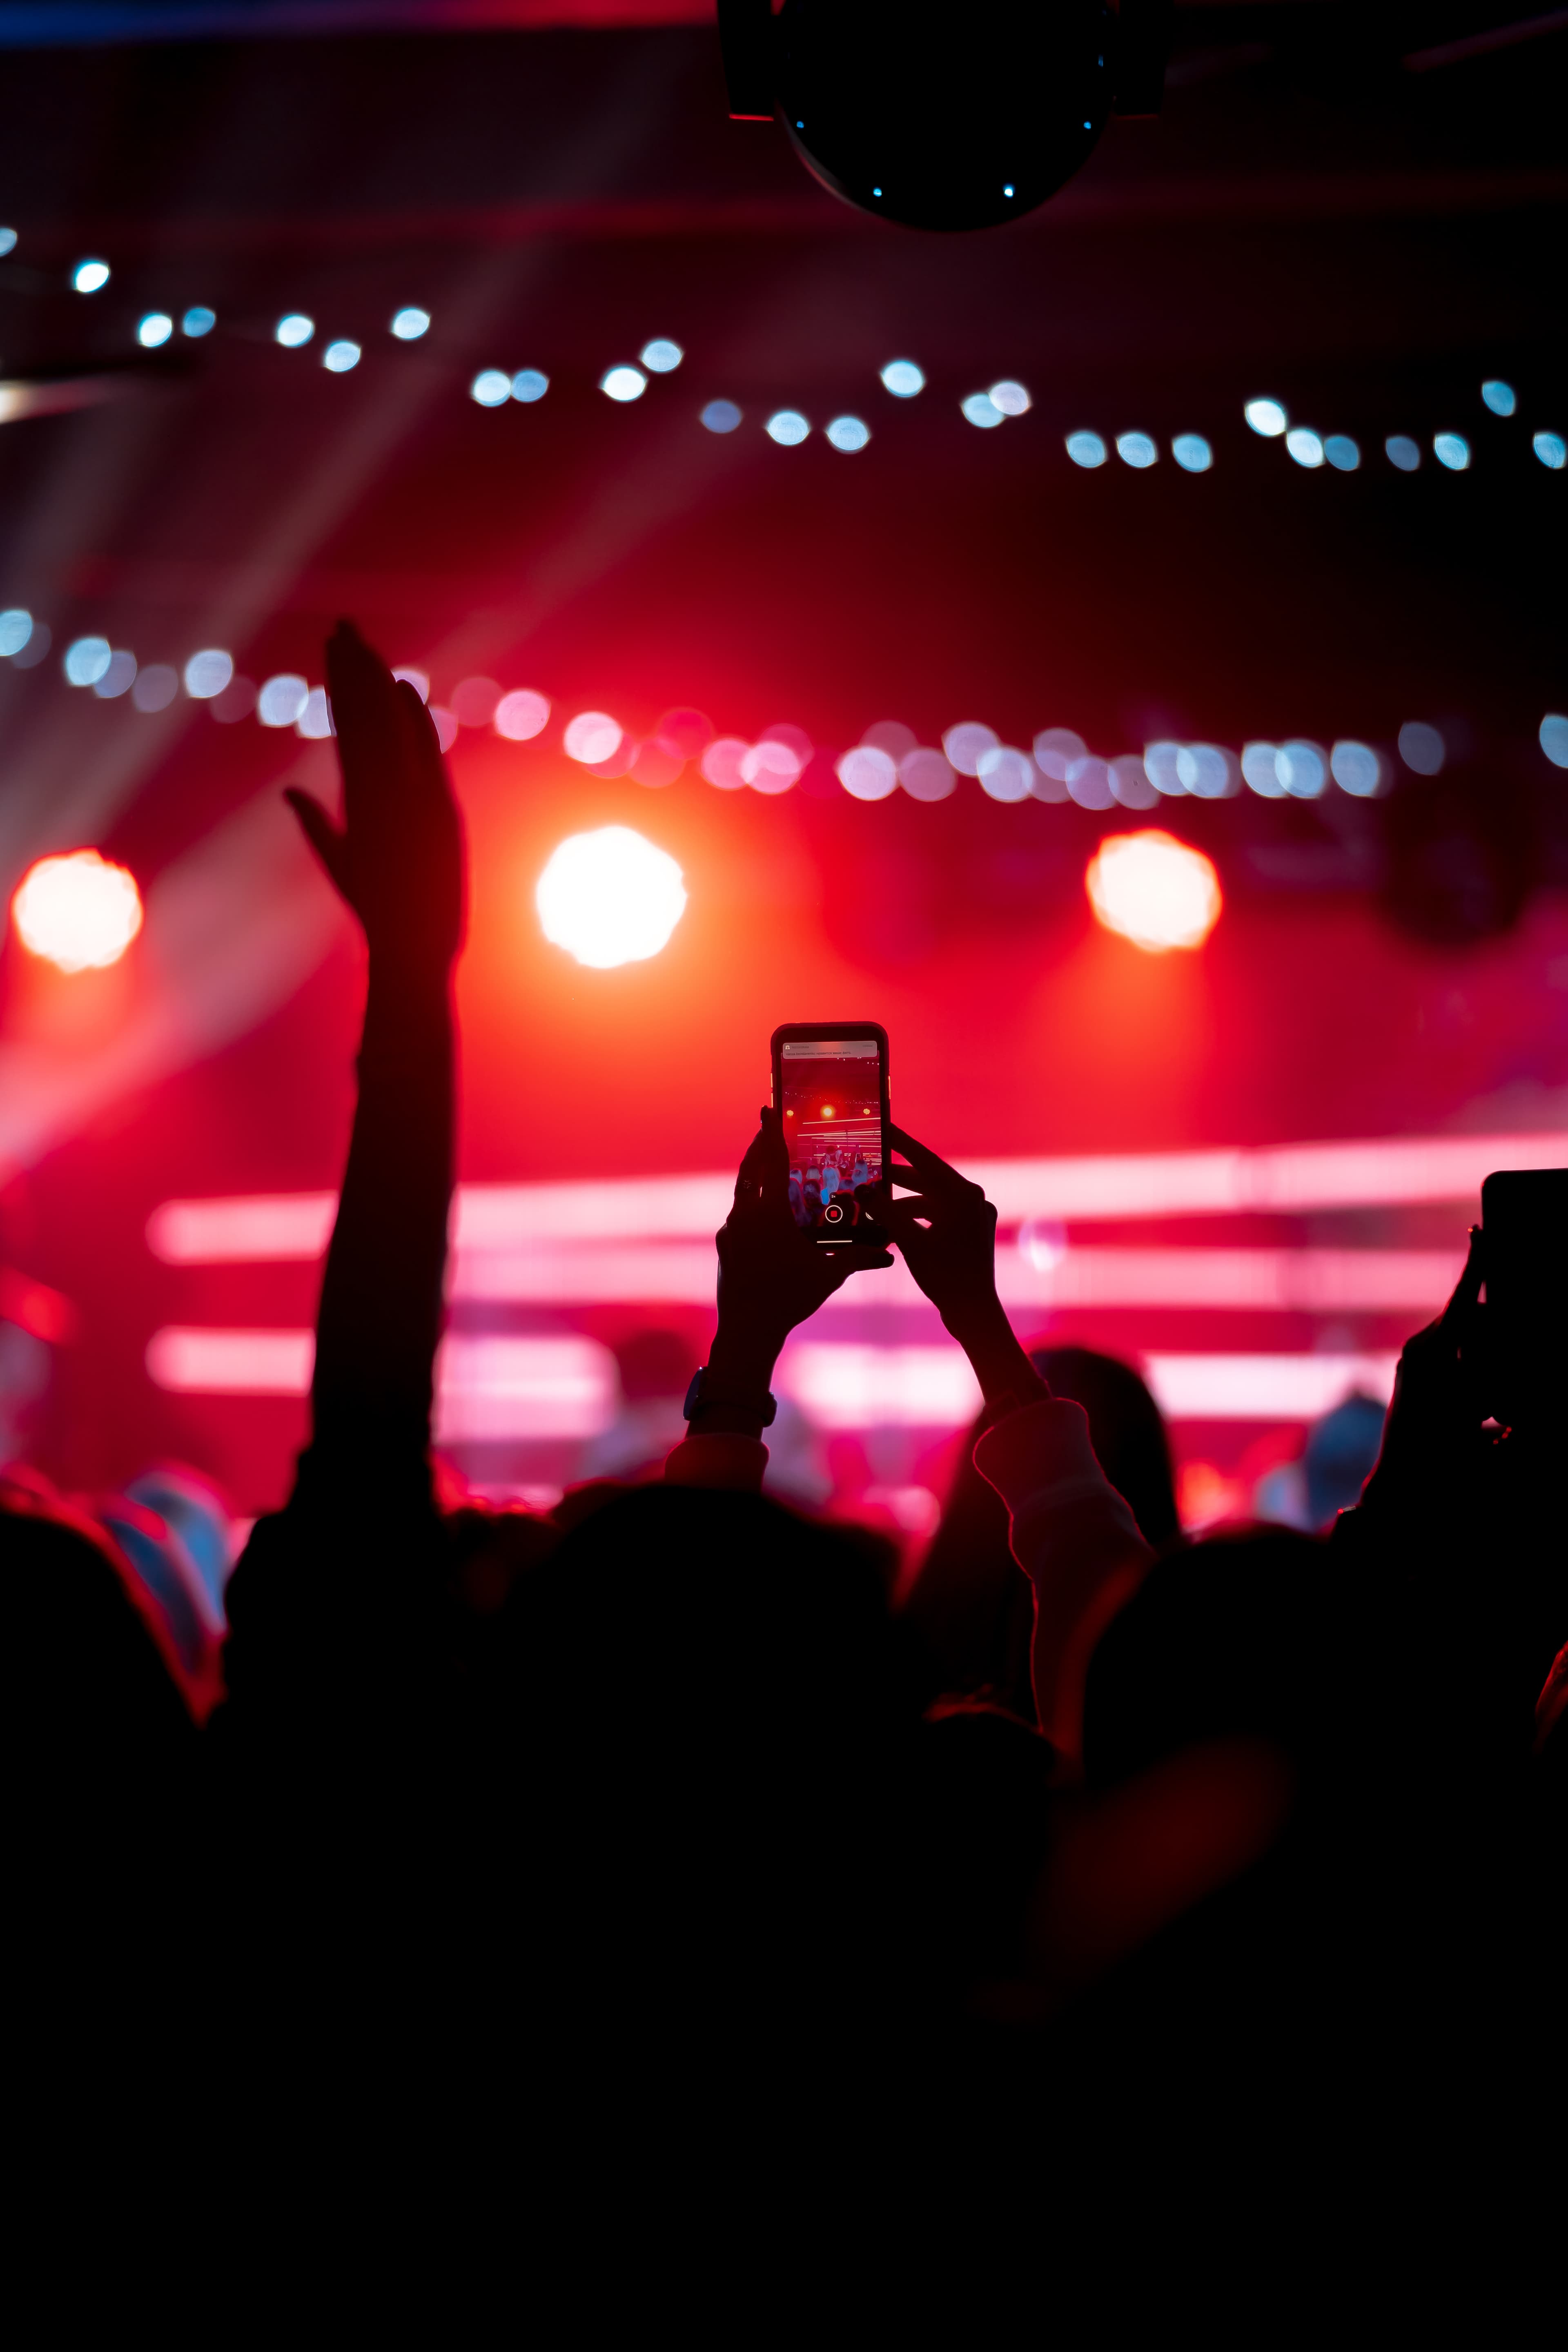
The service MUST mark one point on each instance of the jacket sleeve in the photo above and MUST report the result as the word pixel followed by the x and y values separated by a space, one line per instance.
pixel 1076 1541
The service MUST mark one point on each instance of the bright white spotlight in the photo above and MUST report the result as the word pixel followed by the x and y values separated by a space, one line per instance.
pixel 903 379
pixel 339 357
pixel 409 323
pixel 788 428
pixel 78 912
pixel 623 384
pixel 154 328
pixel 1268 417
pixel 1305 445
pixel 1011 397
pixel 521 715
pixel 89 277
pixel 848 433
pixel 590 737
pixel 610 897
pixel 491 388
pixel 661 356
pixel 294 329
pixel 1155 890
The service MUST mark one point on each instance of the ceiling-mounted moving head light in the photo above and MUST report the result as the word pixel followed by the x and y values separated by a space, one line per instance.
pixel 946 114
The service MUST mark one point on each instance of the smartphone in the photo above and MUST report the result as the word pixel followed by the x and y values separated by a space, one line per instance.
pixel 830 1082
pixel 1524 1228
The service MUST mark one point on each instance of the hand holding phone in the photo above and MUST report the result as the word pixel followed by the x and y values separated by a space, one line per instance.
pixel 947 1232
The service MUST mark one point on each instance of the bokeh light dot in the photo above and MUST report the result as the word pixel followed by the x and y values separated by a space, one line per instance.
pixel 1356 769
pixel 720 416
pixel 283 698
pixel 1011 397
pixel 521 715
pixel 788 428
pixel 903 379
pixel 661 356
pixel 1552 450
pixel 409 323
pixel 530 385
pixel 1191 453
pixel 1136 449
pixel 623 384
pixel 16 628
pixel 1305 445
pixel 1342 453
pixel 89 277
pixel 1451 449
pixel 207 673
pixel 293 329
pixel 86 660
pixel 198 320
pixel 154 328
pixel 1555 738
pixel 1085 449
pixel 1268 417
pixel 592 736
pixel 339 357
pixel 848 433
pixel 491 388
pixel 1422 748
pixel 1402 452
pixel 964 744
pixel 1498 397
pixel 981 410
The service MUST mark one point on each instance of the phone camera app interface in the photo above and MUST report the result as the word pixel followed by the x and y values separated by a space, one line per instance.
pixel 832 1124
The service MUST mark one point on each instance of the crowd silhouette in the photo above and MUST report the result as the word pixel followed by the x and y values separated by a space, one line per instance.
pixel 655 1801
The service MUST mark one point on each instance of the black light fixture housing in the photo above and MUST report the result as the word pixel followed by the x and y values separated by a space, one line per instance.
pixel 944 114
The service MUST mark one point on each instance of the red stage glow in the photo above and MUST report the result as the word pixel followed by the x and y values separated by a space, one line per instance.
pixel 78 912
pixel 1155 890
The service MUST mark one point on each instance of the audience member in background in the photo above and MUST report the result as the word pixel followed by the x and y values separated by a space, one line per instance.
pixel 971 1610
pixel 1334 1466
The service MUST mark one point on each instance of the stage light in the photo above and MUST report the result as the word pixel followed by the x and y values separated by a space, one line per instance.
pixel 198 321
pixel 86 660
pixel 867 774
pixel 1089 783
pixel 154 328
pixel 530 385
pixel 661 355
pixel 1260 769
pixel 1191 453
pixel 1136 449
pixel 1552 450
pixel 521 715
pixel 155 688
pixel 491 388
pixel 1268 417
pixel 1011 397
pixel 207 673
pixel 118 678
pixel 1305 445
pixel 788 428
pixel 1555 738
pixel 1153 891
pixel 281 699
pixel 623 384
pixel 610 897
pixel 903 379
pixel 983 411
pixel 293 329
pixel 848 433
pixel 16 628
pixel 1498 397
pixel 965 743
pixel 1341 453
pixel 720 416
pixel 721 763
pixel 1402 452
pixel 1005 774
pixel 590 737
pixel 1085 449
pixel 409 323
pixel 1357 770
pixel 339 357
pixel 89 277
pixel 1422 748
pixel 926 774
pixel 1451 449
pixel 78 912
pixel 1302 769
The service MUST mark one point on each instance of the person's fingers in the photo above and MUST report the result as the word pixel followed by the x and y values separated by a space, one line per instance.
pixel 901 1216
pixel 775 1174
pixel 752 1171
pixel 839 1265
pixel 930 1169
pixel 321 833
pixel 1467 1289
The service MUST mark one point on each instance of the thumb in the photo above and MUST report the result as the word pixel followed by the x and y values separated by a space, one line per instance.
pixel 321 833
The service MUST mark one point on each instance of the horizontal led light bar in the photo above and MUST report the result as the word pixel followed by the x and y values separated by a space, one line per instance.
pixel 1394 1172
pixel 564 1386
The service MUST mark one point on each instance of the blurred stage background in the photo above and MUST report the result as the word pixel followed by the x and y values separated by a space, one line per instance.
pixel 1313 219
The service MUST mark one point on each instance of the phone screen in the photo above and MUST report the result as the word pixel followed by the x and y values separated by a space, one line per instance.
pixel 831 1084
pixel 1524 1222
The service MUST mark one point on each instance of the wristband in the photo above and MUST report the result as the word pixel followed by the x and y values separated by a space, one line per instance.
pixel 702 1394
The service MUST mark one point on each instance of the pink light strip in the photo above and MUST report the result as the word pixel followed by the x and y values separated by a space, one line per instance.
pixel 1395 1172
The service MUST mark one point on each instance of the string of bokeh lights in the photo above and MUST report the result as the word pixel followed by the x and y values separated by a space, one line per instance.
pixel 1057 766
pixel 904 379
